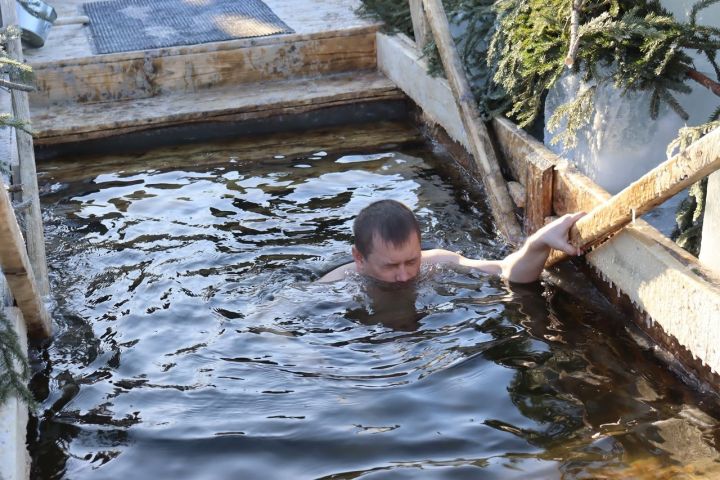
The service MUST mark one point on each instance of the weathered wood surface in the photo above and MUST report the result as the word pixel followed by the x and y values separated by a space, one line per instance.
pixel 710 248
pixel 401 62
pixel 242 150
pixel 33 225
pixel 304 16
pixel 517 193
pixel 421 29
pixel 91 121
pixel 501 204
pixel 532 166
pixel 659 184
pixel 138 75
pixel 14 458
pixel 18 272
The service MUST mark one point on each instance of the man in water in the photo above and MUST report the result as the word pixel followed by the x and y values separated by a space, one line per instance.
pixel 387 248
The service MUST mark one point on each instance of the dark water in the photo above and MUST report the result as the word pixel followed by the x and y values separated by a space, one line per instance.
pixel 192 343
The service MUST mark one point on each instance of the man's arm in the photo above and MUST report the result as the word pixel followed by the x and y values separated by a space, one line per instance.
pixel 526 264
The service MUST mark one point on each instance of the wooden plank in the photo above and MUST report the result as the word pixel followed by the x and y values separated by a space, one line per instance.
pixel 62 124
pixel 35 237
pixel 517 193
pixel 710 247
pixel 534 164
pixel 538 196
pixel 14 458
pixel 482 148
pixel 156 72
pixel 18 273
pixel 421 30
pixel 670 177
pixel 401 62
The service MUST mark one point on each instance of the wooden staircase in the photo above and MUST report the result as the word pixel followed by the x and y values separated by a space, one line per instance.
pixel 97 97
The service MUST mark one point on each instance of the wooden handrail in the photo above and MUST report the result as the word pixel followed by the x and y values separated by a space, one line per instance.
pixel 16 267
pixel 501 204
pixel 662 182
pixel 27 174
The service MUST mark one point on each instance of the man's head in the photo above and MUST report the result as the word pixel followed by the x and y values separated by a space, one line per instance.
pixel 387 242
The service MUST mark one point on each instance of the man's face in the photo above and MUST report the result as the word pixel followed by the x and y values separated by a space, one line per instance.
pixel 390 263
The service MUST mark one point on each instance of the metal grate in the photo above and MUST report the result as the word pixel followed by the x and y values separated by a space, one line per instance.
pixel 126 25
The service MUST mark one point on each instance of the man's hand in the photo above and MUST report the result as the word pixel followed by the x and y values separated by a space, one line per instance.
pixel 555 234
pixel 527 264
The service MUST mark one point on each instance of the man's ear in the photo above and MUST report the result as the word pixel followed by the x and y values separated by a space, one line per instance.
pixel 357 256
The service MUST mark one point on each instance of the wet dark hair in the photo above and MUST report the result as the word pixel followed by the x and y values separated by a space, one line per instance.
pixel 390 220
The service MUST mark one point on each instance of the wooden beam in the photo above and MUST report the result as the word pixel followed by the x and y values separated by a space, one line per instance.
pixel 532 164
pixel 421 30
pixel 482 149
pixel 517 193
pixel 189 69
pixel 710 247
pixel 538 196
pixel 88 121
pixel 34 233
pixel 18 273
pixel 401 62
pixel 670 177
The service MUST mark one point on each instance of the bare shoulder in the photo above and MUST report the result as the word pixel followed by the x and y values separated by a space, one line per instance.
pixel 337 274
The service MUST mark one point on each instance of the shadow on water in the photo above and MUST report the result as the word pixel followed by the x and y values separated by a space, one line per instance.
pixel 192 343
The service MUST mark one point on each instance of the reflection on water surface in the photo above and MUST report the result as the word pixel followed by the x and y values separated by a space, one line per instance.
pixel 192 343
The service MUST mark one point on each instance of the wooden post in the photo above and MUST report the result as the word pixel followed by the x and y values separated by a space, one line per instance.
pixel 34 234
pixel 482 149
pixel 538 194
pixel 710 247
pixel 670 177
pixel 420 26
pixel 16 267
pixel 533 165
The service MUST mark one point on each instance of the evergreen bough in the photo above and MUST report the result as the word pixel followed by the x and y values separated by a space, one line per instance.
pixel 14 367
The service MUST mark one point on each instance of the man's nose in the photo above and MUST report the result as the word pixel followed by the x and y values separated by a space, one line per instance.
pixel 403 275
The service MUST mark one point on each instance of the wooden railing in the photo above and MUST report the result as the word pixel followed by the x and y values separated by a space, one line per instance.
pixel 431 13
pixel 22 258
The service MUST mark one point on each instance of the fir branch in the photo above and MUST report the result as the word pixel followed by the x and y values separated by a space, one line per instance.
pixel 571 117
pixel 688 135
pixel 715 115
pixel 14 367
pixel 394 13
pixel 702 4
pixel 704 81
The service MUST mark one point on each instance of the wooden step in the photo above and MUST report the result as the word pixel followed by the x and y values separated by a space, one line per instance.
pixel 59 124
pixel 188 69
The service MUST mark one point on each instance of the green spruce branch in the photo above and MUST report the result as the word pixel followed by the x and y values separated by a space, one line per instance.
pixel 14 367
